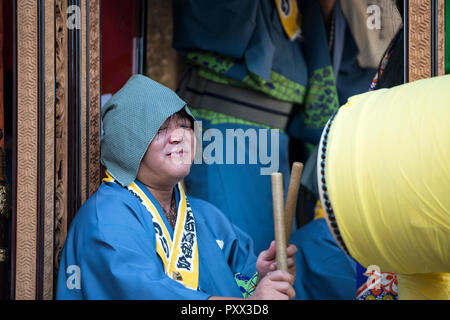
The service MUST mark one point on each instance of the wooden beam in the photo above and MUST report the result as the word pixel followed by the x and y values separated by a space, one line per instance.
pixel 27 149
pixel 425 34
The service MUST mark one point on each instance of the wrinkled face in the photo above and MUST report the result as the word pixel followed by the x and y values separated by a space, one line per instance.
pixel 169 156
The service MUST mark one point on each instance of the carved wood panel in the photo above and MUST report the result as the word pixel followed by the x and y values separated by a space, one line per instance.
pixel 419 39
pixel 84 148
pixel 94 95
pixel 420 34
pixel 441 36
pixel 49 170
pixel 42 161
pixel 27 152
pixel 61 128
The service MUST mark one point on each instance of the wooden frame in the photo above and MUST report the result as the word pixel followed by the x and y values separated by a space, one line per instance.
pixel 44 125
pixel 425 38
pixel 49 145
pixel 61 138
pixel 93 96
pixel 27 149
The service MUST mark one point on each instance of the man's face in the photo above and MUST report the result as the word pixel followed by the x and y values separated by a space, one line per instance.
pixel 169 156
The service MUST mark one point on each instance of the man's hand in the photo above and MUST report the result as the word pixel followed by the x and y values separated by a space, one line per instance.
pixel 266 260
pixel 276 285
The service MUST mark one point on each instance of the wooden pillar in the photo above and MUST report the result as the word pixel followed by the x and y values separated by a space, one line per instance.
pixel 57 134
pixel 47 147
pixel 93 96
pixel 425 35
pixel 61 130
pixel 27 149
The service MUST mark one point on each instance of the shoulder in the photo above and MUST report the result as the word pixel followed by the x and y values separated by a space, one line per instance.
pixel 110 204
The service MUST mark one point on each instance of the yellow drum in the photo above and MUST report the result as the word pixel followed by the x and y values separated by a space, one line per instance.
pixel 384 180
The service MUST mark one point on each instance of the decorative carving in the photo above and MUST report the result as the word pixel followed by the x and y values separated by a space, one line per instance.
pixel 94 95
pixel 27 152
pixel 55 137
pixel 61 125
pixel 49 179
pixel 419 39
pixel 441 36
pixel 84 148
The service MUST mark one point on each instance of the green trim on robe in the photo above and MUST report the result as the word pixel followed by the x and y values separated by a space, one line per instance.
pixel 322 98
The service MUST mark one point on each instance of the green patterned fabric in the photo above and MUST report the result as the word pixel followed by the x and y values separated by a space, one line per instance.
pixel 214 66
pixel 210 60
pixel 246 285
pixel 322 99
pixel 220 118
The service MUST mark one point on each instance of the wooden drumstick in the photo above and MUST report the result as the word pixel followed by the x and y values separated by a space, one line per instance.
pixel 292 196
pixel 279 220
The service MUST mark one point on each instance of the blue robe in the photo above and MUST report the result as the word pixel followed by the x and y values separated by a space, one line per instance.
pixel 324 271
pixel 111 242
pixel 241 192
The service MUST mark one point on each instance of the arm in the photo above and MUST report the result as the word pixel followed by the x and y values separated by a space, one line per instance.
pixel 237 248
pixel 274 284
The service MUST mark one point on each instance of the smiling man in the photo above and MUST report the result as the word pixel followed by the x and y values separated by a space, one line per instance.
pixel 140 236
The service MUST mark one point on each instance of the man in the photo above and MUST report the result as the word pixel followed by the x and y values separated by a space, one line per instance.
pixel 139 236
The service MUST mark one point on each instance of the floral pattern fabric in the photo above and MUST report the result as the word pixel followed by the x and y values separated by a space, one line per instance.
pixel 376 285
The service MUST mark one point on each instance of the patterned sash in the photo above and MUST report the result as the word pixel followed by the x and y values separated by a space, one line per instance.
pixel 180 256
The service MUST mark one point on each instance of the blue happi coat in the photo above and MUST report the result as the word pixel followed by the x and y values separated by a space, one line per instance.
pixel 110 251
